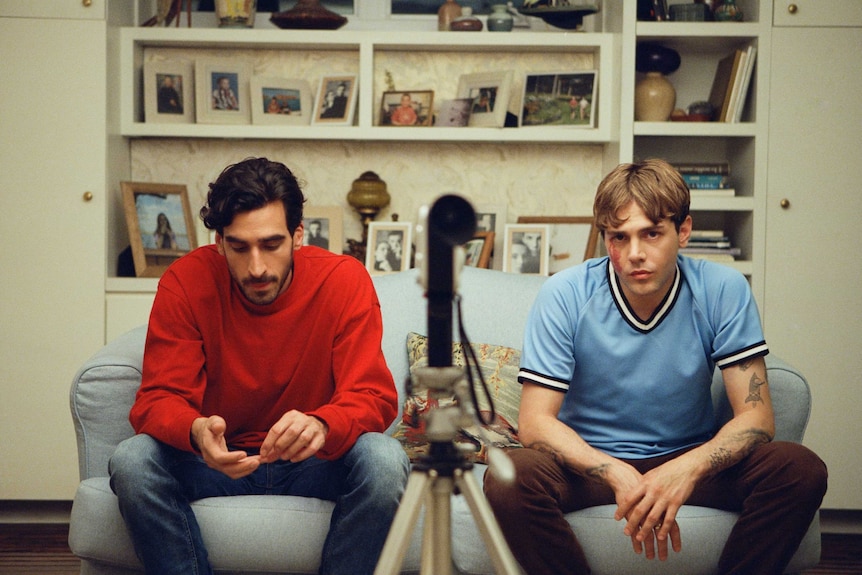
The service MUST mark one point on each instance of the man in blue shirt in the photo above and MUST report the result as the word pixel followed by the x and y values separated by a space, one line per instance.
pixel 616 406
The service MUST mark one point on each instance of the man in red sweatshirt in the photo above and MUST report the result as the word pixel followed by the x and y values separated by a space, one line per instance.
pixel 263 374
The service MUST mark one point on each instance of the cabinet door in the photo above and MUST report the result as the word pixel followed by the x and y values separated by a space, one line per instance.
pixel 52 152
pixel 813 271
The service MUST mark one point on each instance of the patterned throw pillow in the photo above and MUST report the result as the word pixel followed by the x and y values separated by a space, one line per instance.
pixel 499 367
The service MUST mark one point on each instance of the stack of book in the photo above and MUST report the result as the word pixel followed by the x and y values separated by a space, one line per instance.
pixel 730 84
pixel 707 179
pixel 711 245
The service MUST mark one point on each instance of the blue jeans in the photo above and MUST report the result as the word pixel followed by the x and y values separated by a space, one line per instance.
pixel 155 484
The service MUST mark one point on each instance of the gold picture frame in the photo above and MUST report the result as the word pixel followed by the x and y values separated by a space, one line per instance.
pixel 479 249
pixel 161 228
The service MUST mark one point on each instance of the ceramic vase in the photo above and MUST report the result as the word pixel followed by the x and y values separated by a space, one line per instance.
pixel 728 11
pixel 447 14
pixel 655 98
pixel 500 20
pixel 235 13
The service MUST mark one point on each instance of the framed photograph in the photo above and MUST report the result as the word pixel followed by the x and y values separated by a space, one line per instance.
pixel 407 108
pixel 161 228
pixel 389 247
pixel 336 101
pixel 222 91
pixel 573 239
pixel 489 95
pixel 169 92
pixel 479 249
pixel 560 99
pixel 323 227
pixel 280 101
pixel 525 250
pixel 492 218
pixel 454 113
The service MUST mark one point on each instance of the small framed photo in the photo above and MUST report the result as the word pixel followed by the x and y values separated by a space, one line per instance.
pixel 336 101
pixel 525 250
pixel 222 91
pixel 489 95
pixel 389 247
pixel 479 249
pixel 280 101
pixel 492 218
pixel 323 227
pixel 572 240
pixel 454 113
pixel 169 92
pixel 560 99
pixel 161 228
pixel 407 108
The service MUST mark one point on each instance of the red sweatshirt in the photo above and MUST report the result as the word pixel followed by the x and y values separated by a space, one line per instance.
pixel 316 349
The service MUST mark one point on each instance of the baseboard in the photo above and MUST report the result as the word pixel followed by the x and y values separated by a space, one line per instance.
pixel 35 511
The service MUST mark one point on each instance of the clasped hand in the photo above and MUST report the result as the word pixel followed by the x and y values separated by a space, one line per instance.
pixel 649 504
pixel 295 437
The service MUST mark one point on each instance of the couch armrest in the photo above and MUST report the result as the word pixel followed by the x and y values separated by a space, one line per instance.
pixel 102 393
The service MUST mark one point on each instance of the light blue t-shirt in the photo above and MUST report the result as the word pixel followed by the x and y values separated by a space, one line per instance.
pixel 637 389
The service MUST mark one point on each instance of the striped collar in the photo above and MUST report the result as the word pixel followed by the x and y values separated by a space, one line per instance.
pixel 625 309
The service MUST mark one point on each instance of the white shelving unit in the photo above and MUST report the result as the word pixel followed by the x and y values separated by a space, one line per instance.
pixel 367 47
pixel 743 145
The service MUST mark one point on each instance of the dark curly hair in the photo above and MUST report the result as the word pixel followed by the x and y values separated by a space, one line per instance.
pixel 250 185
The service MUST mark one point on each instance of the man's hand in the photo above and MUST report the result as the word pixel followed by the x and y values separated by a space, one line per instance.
pixel 650 508
pixel 294 437
pixel 208 436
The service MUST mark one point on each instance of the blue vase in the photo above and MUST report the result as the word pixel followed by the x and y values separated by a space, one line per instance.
pixel 500 20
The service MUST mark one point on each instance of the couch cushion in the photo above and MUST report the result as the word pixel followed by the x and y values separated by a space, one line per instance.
pixel 498 366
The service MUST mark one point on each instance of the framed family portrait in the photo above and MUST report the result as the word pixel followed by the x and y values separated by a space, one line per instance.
pixel 492 218
pixel 559 99
pixel 407 108
pixel 572 240
pixel 389 247
pixel 479 249
pixel 335 101
pixel 525 250
pixel 222 91
pixel 161 228
pixel 323 227
pixel 280 101
pixel 489 96
pixel 169 92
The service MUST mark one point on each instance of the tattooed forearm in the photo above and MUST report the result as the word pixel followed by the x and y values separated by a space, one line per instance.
pixel 747 441
pixel 596 473
pixel 754 385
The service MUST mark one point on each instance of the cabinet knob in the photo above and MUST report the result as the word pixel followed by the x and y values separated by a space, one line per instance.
pixel 87 3
pixel 88 196
pixel 792 8
pixel 784 203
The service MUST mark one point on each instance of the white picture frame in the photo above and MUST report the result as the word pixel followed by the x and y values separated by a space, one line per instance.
pixel 393 258
pixel 490 93
pixel 280 101
pixel 526 249
pixel 573 239
pixel 330 220
pixel 222 91
pixel 559 99
pixel 337 110
pixel 169 92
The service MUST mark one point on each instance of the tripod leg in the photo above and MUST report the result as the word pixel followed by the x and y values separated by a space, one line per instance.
pixel 501 556
pixel 437 538
pixel 398 539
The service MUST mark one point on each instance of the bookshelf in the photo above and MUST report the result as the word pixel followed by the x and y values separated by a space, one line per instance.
pixel 742 144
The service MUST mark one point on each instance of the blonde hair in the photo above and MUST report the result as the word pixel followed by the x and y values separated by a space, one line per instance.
pixel 654 185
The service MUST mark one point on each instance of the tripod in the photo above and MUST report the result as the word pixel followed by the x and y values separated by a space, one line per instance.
pixel 442 472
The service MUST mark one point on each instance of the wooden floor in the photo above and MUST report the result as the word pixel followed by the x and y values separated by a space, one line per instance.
pixel 43 549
